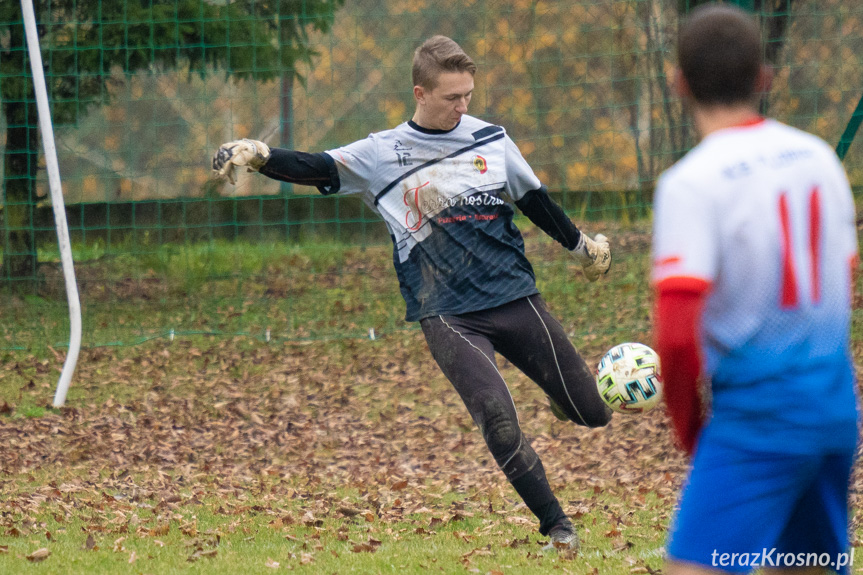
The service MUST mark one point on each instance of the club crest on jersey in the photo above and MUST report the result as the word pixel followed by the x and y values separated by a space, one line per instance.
pixel 480 164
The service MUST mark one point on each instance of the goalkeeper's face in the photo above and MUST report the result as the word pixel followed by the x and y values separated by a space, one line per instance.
pixel 441 107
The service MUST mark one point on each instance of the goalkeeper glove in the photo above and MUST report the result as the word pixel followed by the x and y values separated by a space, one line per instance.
pixel 593 255
pixel 250 153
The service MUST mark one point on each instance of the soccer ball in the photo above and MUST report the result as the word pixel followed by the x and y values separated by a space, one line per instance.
pixel 628 378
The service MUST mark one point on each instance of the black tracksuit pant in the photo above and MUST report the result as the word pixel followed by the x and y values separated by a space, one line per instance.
pixel 525 333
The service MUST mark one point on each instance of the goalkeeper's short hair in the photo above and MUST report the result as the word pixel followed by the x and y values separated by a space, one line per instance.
pixel 439 54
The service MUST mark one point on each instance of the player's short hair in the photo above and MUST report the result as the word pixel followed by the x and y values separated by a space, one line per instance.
pixel 719 52
pixel 439 54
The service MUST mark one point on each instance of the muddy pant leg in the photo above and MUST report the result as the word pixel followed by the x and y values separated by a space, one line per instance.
pixel 466 357
pixel 536 343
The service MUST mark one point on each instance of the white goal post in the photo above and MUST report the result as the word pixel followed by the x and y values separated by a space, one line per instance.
pixel 56 201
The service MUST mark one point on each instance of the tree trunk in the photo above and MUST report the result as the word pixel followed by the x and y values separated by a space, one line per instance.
pixel 19 198
pixel 19 166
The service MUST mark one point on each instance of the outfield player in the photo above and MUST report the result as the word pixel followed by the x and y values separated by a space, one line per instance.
pixel 754 255
pixel 440 182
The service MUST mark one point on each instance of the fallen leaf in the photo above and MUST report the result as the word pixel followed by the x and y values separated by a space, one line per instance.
pixel 39 555
pixel 161 529
pixel 90 543
pixel 518 542
pixel 519 520
pixel 579 511
pixel 479 551
pixel 209 553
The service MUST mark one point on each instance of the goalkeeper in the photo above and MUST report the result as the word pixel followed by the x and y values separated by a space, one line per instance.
pixel 439 182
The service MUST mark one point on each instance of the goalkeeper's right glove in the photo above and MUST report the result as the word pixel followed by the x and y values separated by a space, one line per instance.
pixel 593 255
pixel 250 153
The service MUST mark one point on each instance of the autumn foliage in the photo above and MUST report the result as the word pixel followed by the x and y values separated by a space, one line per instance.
pixel 584 88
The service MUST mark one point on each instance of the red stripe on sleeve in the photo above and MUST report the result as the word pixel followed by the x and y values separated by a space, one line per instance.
pixel 683 283
pixel 668 261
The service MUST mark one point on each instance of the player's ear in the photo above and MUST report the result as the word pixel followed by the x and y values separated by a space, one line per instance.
pixel 419 94
pixel 681 86
pixel 764 80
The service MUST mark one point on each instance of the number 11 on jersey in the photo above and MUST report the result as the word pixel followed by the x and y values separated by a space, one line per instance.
pixel 790 297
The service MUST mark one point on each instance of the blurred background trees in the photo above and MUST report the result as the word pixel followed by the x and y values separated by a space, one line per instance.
pixel 99 53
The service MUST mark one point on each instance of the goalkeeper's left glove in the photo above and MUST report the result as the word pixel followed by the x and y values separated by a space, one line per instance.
pixel 594 255
pixel 250 153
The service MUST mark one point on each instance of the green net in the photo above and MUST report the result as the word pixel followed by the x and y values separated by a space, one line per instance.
pixel 144 92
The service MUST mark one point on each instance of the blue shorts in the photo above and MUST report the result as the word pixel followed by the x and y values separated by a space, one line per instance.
pixel 741 510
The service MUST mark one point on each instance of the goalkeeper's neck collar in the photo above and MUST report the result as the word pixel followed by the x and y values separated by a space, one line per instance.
pixel 430 131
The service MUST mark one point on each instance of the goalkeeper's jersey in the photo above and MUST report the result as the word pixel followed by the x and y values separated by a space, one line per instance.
pixel 443 197
pixel 764 214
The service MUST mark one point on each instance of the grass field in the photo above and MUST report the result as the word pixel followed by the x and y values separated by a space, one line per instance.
pixel 217 454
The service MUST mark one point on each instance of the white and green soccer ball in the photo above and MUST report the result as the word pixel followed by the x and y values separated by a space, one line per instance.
pixel 628 378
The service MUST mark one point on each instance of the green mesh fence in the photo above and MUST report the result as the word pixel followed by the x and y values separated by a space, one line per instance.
pixel 144 92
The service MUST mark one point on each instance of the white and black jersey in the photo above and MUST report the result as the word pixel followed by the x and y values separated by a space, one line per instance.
pixel 443 197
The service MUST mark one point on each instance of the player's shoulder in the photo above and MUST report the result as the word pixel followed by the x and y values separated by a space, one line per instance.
pixel 389 133
pixel 376 141
pixel 723 150
pixel 785 133
pixel 476 126
pixel 801 143
pixel 698 170
pixel 691 167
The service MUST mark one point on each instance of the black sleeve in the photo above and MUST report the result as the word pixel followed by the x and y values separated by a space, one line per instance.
pixel 548 216
pixel 318 170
